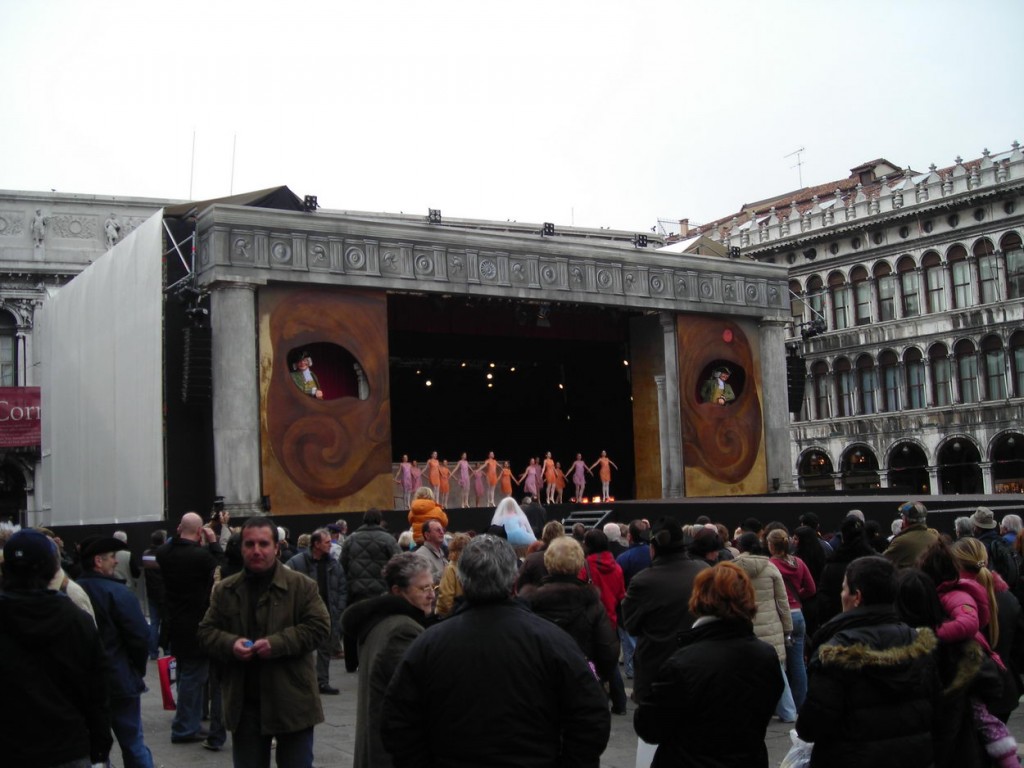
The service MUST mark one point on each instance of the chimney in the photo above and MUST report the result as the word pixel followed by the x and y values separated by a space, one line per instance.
pixel 684 227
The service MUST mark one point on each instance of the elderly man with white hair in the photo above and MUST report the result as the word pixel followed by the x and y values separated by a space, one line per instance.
pixel 128 567
pixel 615 543
pixel 1010 527
pixel 541 705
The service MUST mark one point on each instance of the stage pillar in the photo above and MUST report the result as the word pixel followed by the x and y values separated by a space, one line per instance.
pixel 669 417
pixel 236 396
pixel 776 402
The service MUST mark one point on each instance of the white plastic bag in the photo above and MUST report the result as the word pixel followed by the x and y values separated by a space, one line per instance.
pixel 799 755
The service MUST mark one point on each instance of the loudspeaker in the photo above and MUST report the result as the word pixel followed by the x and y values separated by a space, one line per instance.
pixel 796 381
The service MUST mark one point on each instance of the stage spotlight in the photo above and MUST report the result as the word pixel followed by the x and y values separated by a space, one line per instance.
pixel 596 499
pixel 490 376
pixel 434 216
pixel 309 203
pixel 640 241
pixel 734 252
pixel 429 383
pixel 548 230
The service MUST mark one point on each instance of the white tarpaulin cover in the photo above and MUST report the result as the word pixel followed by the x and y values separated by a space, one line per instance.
pixel 101 376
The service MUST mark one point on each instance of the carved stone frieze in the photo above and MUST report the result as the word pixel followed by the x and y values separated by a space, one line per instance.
pixel 281 252
pixel 422 260
pixel 75 225
pixel 12 223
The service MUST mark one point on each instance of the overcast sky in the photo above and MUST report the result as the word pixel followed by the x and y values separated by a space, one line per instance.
pixel 612 114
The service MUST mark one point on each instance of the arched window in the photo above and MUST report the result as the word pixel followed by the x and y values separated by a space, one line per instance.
pixel 994 367
pixel 908 470
pixel 886 282
pixel 866 385
pixel 934 282
pixel 1008 463
pixel 961 271
pixel 844 388
pixel 888 366
pixel 840 301
pixel 913 366
pixel 815 472
pixel 1017 361
pixel 1013 253
pixel 860 468
pixel 8 350
pixel 911 287
pixel 861 296
pixel 796 303
pixel 959 470
pixel 967 370
pixel 988 271
pixel 819 382
pixel 942 374
pixel 815 295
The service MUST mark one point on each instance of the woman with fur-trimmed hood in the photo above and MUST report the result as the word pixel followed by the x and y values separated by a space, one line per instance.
pixel 873 683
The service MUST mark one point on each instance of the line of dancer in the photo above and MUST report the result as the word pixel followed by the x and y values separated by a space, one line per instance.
pixel 489 476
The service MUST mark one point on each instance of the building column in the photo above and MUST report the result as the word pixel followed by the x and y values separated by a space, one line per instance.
pixel 883 478
pixel 775 405
pixel 236 425
pixel 672 438
pixel 986 477
pixel 22 358
pixel 933 481
pixel 659 383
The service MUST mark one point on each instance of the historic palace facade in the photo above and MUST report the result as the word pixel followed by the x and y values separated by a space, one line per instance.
pixel 907 293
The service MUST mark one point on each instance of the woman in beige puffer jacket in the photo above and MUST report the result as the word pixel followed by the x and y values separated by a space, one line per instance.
pixel 773 622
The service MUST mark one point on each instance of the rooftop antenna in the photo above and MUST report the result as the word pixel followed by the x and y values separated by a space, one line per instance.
pixel 799 165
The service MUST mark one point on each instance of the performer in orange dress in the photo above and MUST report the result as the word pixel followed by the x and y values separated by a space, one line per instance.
pixel 507 478
pixel 549 477
pixel 417 475
pixel 560 481
pixel 490 468
pixel 445 484
pixel 605 473
pixel 433 473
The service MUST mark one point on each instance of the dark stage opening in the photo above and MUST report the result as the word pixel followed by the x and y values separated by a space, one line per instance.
pixel 511 377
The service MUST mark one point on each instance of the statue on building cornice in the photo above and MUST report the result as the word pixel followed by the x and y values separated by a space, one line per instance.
pixel 39 227
pixel 112 229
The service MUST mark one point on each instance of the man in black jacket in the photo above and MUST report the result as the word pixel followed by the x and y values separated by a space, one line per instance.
pixel 655 607
pixel 55 710
pixel 187 563
pixel 318 564
pixel 541 706
pixel 872 680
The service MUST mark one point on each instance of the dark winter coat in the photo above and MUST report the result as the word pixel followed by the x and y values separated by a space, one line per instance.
pixel 54 708
pixel 337 585
pixel 187 570
pixel 655 612
pixel 495 685
pixel 123 632
pixel 873 686
pixel 363 556
pixel 688 716
pixel 380 629
pixel 575 606
pixel 830 585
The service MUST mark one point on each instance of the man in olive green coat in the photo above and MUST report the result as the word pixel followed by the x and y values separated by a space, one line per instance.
pixel 915 537
pixel 264 624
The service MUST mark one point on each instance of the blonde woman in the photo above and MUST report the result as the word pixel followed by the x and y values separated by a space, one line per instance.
pixel 450 588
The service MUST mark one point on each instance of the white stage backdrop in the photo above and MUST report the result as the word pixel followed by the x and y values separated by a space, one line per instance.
pixel 101 376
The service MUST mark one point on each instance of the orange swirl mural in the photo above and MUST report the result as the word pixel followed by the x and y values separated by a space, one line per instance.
pixel 330 450
pixel 723 445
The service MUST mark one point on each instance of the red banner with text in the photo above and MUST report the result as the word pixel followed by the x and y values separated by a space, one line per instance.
pixel 19 417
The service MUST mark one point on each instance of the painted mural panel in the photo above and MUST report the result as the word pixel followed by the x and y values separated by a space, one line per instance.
pixel 325 410
pixel 720 403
